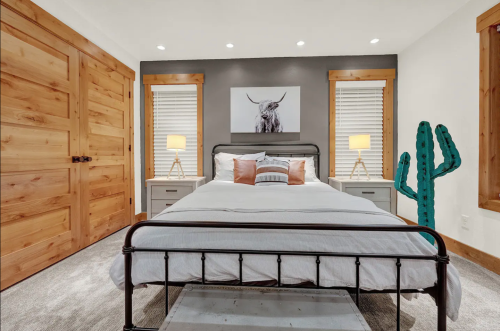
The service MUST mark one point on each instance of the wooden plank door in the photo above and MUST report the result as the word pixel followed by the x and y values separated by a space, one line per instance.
pixel 104 127
pixel 40 197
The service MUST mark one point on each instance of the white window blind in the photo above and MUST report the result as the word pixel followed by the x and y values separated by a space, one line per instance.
pixel 359 110
pixel 174 112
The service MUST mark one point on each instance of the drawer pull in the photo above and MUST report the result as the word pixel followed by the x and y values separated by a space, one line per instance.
pixel 368 192
pixel 168 204
pixel 171 191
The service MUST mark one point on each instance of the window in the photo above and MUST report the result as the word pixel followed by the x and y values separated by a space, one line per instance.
pixel 359 109
pixel 174 112
pixel 361 102
pixel 173 116
pixel 489 109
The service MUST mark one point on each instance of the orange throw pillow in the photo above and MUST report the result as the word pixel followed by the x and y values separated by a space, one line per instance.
pixel 296 173
pixel 245 171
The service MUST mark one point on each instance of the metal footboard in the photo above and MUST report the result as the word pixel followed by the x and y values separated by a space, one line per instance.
pixel 441 259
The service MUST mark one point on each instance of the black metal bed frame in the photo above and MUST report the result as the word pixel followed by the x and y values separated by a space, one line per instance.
pixel 438 291
pixel 315 153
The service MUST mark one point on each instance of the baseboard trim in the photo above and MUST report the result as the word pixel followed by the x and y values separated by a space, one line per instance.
pixel 485 260
pixel 140 217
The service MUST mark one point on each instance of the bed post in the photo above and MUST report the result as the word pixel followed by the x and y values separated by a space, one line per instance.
pixel 129 288
pixel 442 260
pixel 127 251
pixel 442 266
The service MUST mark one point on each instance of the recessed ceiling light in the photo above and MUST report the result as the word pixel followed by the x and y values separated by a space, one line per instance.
pixel 161 47
pixel 229 45
pixel 374 41
pixel 300 43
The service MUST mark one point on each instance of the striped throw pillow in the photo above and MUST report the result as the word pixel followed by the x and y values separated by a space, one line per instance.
pixel 272 172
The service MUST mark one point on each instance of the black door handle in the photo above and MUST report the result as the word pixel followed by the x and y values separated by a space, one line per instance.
pixel 86 159
pixel 76 159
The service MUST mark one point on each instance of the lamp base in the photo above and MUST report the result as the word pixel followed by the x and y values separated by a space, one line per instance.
pixel 178 163
pixel 358 163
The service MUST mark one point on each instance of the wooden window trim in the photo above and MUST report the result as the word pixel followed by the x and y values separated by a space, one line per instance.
pixel 367 74
pixel 171 79
pixel 488 18
pixel 489 105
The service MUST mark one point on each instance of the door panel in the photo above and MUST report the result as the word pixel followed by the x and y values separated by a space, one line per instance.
pixel 20 95
pixel 40 199
pixel 103 115
pixel 35 229
pixel 104 123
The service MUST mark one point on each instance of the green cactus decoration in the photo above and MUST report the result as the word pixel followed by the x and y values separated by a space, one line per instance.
pixel 426 171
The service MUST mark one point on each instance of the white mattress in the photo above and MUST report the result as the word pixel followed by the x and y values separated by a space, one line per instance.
pixel 310 203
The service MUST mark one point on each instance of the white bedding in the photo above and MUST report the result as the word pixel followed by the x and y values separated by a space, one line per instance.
pixel 310 203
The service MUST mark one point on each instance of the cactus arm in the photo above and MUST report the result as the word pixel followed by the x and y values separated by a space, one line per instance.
pixel 402 175
pixel 451 155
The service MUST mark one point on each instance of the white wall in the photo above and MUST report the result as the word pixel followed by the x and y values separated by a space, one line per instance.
pixel 62 11
pixel 439 83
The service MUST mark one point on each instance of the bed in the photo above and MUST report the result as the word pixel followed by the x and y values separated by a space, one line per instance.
pixel 304 235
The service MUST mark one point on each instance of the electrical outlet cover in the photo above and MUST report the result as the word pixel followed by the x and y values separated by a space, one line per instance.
pixel 465 222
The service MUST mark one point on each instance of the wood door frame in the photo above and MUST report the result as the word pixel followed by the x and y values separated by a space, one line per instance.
pixel 171 79
pixel 489 101
pixel 388 75
pixel 131 150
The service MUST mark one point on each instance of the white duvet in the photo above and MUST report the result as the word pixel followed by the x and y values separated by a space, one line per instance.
pixel 310 203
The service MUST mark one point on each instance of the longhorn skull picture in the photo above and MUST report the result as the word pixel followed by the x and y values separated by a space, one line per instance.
pixel 274 109
pixel 268 118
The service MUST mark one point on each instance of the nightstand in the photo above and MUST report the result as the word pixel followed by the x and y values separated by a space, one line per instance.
pixel 380 191
pixel 163 192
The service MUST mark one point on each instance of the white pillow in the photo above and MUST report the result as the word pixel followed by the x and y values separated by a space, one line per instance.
pixel 224 164
pixel 309 168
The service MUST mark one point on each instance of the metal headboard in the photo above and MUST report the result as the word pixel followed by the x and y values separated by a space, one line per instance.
pixel 284 150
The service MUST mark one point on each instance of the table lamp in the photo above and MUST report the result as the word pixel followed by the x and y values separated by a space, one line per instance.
pixel 176 143
pixel 359 142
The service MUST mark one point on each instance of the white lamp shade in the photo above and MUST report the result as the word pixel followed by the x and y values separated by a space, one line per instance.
pixel 359 142
pixel 176 142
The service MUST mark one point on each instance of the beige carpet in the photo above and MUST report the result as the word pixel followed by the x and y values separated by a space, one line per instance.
pixel 77 294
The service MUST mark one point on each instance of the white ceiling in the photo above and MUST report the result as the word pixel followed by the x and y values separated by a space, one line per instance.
pixel 200 29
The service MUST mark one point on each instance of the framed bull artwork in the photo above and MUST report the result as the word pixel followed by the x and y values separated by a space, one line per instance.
pixel 265 109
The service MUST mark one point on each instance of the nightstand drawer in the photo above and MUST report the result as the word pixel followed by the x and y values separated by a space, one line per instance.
pixel 158 206
pixel 380 191
pixel 170 191
pixel 371 193
pixel 163 192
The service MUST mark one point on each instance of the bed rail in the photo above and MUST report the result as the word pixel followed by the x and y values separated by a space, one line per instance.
pixel 441 259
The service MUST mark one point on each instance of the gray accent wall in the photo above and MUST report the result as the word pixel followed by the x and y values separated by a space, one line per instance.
pixel 310 73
